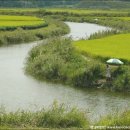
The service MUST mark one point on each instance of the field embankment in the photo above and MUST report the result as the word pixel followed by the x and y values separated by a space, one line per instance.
pixel 21 35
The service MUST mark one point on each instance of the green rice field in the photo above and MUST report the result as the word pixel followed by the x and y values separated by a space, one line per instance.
pixel 18 21
pixel 117 46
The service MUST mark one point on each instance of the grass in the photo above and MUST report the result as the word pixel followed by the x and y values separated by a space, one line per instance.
pixel 86 11
pixel 18 18
pixel 54 28
pixel 115 119
pixel 56 116
pixel 117 46
pixel 19 21
pixel 90 12
pixel 58 61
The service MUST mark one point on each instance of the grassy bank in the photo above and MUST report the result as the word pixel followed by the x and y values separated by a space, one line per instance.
pixel 56 116
pixel 58 61
pixel 116 46
pixel 54 28
pixel 115 119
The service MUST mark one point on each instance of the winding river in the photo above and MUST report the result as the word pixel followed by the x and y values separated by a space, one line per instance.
pixel 18 91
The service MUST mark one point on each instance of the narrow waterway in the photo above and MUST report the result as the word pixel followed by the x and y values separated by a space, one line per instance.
pixel 18 91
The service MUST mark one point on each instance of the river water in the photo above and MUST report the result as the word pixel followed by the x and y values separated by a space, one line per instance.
pixel 18 91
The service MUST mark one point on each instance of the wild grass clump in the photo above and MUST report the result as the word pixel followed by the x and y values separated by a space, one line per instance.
pixel 116 119
pixel 56 116
pixel 59 61
pixel 102 34
pixel 121 81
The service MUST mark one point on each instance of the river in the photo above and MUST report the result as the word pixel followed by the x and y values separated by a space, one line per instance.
pixel 18 91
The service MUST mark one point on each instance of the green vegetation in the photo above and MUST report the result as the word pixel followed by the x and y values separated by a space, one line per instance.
pixel 117 46
pixel 115 119
pixel 121 81
pixel 101 34
pixel 56 116
pixel 8 22
pixel 58 61
pixel 102 4
pixel 54 28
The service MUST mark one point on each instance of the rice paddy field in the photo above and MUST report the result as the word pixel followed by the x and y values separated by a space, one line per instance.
pixel 18 21
pixel 117 46
pixel 67 10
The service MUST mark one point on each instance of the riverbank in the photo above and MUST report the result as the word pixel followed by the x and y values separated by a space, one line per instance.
pixel 54 28
pixel 58 117
pixel 58 61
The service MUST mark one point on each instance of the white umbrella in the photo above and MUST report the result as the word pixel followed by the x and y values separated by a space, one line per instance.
pixel 115 62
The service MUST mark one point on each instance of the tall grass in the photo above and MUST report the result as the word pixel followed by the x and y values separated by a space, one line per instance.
pixel 58 61
pixel 102 34
pixel 116 119
pixel 121 82
pixel 56 116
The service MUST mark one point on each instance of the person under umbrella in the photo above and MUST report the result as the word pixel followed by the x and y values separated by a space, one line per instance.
pixel 115 62
pixel 108 73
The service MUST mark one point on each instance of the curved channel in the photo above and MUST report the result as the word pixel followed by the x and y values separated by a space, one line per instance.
pixel 18 91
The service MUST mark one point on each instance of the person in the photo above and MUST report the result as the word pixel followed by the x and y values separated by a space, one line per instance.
pixel 108 73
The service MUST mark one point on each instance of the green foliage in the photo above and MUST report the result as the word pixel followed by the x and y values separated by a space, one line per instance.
pixel 58 61
pixel 55 28
pixel 57 116
pixel 89 76
pixel 122 80
pixel 102 34
pixel 116 119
